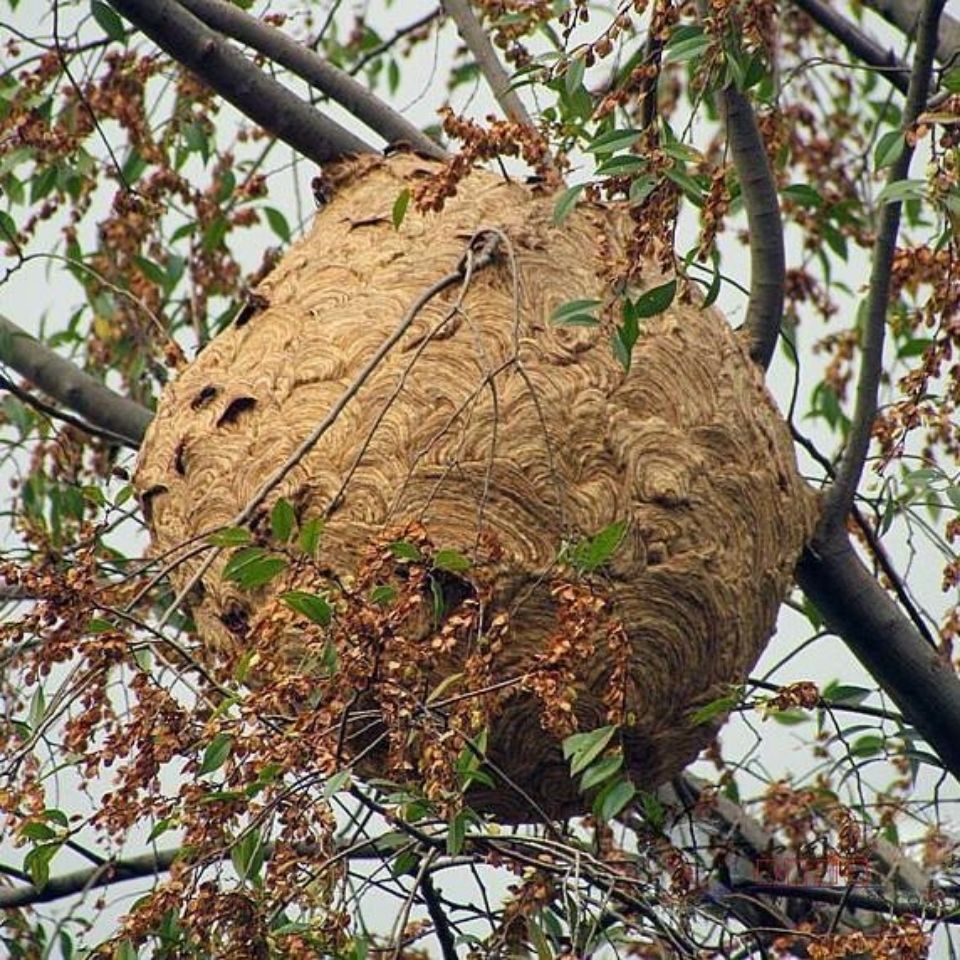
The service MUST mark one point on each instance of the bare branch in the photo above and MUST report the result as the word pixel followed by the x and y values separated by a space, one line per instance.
pixel 478 42
pixel 237 80
pixel 887 63
pixel 920 681
pixel 840 496
pixel 905 16
pixel 762 206
pixel 90 878
pixel 390 42
pixel 52 413
pixel 318 72
pixel 67 383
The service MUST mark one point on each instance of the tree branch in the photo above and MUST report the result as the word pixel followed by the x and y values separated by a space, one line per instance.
pixel 840 496
pixel 886 62
pixel 762 206
pixel 260 97
pixel 52 413
pixel 318 72
pixel 905 16
pixel 923 684
pixel 68 384
pixel 478 43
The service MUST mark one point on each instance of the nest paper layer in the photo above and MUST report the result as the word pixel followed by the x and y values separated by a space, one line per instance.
pixel 491 414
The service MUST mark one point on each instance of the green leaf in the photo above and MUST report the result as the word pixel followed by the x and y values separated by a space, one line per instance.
pixel 337 782
pixel 282 520
pixel 310 605
pixel 451 561
pixel 310 536
pixel 456 833
pixel 231 537
pixel 654 301
pixel 252 567
pixel 278 223
pixel 687 47
pixel 37 831
pixel 601 771
pixel 803 195
pixel 37 863
pixel 108 21
pixel 613 141
pixel 400 208
pixel 889 149
pixel 589 555
pixel 621 166
pixel 125 950
pixel 715 708
pixel 613 798
pixel 247 855
pixel 641 188
pixel 216 753
pixel 867 746
pixel 573 77
pixel 581 749
pixel 575 313
pixel 402 550
pixel 383 595
pixel 901 190
pixel 566 202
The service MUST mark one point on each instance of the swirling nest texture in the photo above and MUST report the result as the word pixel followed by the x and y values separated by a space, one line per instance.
pixel 687 448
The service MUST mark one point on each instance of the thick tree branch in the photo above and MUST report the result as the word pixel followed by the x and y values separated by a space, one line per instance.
pixel 260 97
pixel 762 206
pixel 478 43
pixel 905 16
pixel 318 72
pixel 920 681
pixel 887 63
pixel 65 382
pixel 840 496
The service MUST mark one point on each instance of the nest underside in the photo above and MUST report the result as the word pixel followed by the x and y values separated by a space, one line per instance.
pixel 486 418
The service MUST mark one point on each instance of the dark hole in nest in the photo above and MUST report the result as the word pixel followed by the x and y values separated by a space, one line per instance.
pixel 234 409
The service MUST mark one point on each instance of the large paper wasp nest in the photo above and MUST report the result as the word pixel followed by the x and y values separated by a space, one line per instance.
pixel 485 416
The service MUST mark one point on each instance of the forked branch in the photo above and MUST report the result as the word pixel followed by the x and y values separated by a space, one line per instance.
pixel 318 72
pixel 905 15
pixel 840 496
pixel 261 98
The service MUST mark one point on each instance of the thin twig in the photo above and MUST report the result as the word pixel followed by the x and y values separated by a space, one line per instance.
pixel 840 496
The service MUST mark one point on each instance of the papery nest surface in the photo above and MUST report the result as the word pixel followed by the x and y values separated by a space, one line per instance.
pixel 499 437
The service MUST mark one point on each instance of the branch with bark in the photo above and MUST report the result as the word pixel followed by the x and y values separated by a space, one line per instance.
pixel 840 496
pixel 906 15
pixel 65 382
pixel 478 43
pixel 227 71
pixel 318 72
pixel 885 62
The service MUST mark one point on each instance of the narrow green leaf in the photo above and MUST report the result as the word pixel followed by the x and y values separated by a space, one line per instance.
pixel 589 555
pixel 108 21
pixel 601 771
pixel 400 205
pixel 655 300
pixel 310 536
pixel 613 141
pixel 581 749
pixel 901 190
pixel 282 520
pixel 566 202
pixel 278 223
pixel 613 798
pixel 216 753
pixel 231 537
pixel 889 149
